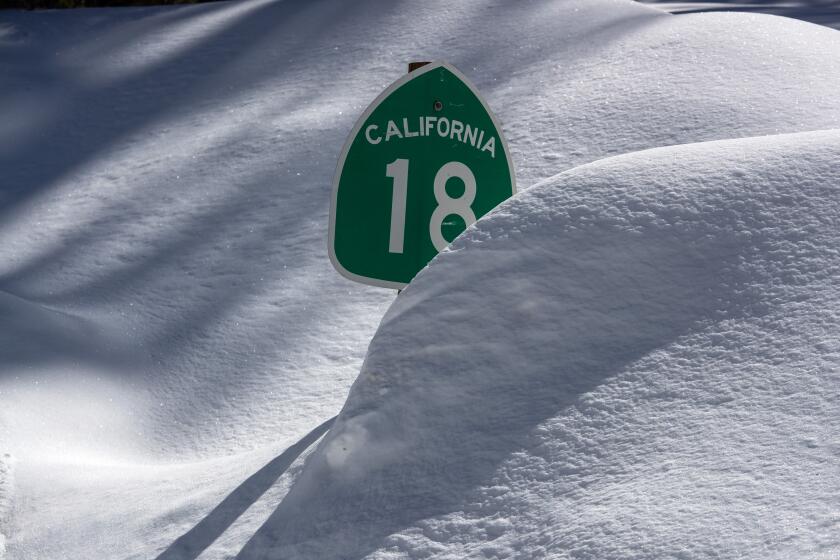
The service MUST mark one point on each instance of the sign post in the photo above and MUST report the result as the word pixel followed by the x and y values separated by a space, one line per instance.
pixel 424 161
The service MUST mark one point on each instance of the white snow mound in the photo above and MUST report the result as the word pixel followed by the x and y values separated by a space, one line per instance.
pixel 170 324
pixel 634 359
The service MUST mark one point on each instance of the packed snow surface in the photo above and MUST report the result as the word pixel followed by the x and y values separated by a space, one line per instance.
pixel 823 12
pixel 637 357
pixel 633 358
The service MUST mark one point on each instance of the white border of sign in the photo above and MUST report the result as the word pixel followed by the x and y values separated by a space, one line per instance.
pixel 357 127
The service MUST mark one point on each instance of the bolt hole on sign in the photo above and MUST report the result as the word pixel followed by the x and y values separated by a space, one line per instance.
pixel 424 161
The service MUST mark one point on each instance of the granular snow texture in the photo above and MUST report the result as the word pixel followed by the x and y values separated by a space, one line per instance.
pixel 639 358
pixel 172 332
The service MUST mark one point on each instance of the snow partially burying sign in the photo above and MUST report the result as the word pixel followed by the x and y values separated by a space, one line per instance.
pixel 176 323
pixel 637 358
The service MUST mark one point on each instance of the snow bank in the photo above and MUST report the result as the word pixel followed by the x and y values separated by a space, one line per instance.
pixel 163 216
pixel 636 358
pixel 179 196
pixel 823 12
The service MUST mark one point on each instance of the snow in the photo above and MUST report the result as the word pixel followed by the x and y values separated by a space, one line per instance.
pixel 634 358
pixel 822 12
pixel 172 327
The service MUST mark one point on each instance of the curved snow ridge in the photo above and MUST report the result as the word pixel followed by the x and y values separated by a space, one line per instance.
pixel 34 333
pixel 722 144
pixel 211 251
pixel 185 192
pixel 636 358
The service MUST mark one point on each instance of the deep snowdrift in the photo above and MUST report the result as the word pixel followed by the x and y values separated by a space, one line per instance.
pixel 636 358
pixel 171 322
pixel 823 12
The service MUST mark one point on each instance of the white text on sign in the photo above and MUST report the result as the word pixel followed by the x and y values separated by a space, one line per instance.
pixel 429 126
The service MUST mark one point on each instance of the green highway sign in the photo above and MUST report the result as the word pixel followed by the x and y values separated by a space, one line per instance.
pixel 423 162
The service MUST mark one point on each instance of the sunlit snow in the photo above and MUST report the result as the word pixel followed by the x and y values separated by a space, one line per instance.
pixel 634 357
